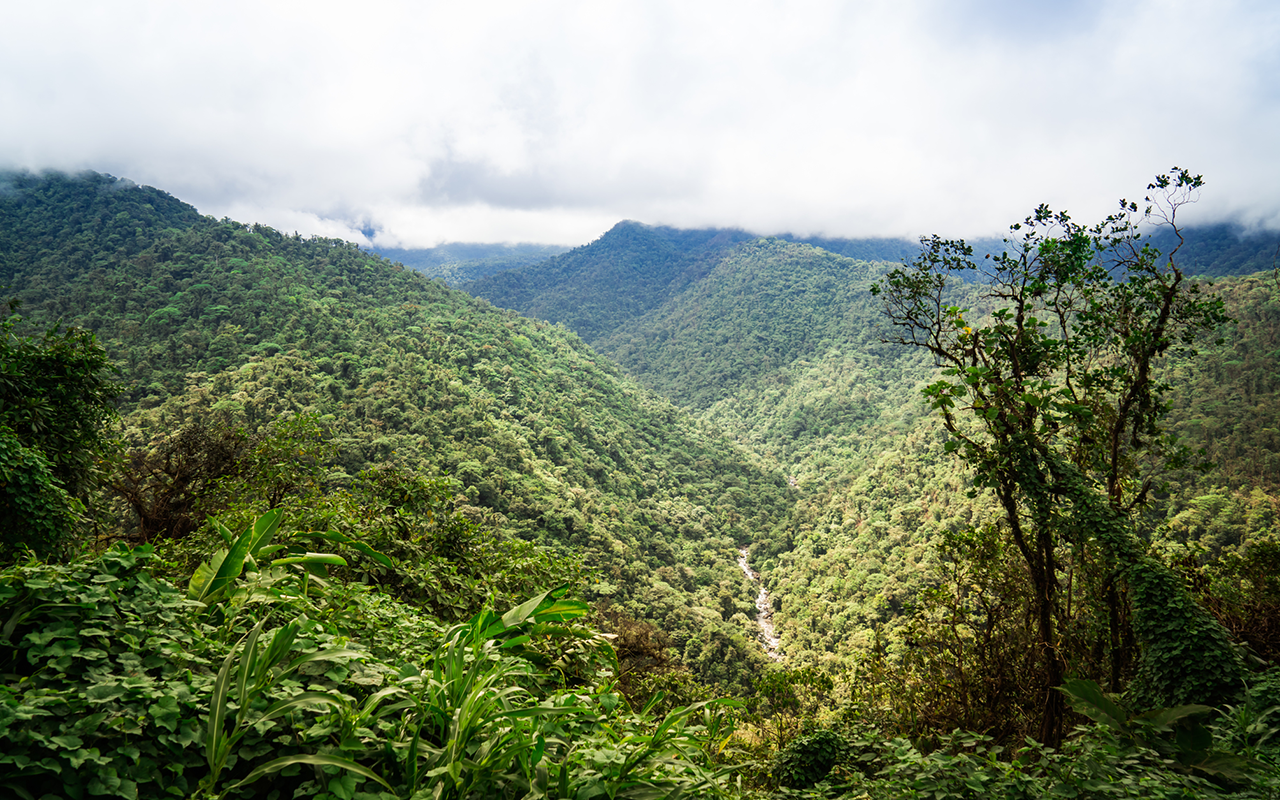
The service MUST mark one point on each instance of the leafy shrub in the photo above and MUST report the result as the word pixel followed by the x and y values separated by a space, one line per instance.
pixel 111 686
pixel 104 678
pixel 36 513
pixel 809 758
pixel 1095 764
pixel 57 392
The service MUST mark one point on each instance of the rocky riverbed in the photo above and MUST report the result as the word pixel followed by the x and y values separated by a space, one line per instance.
pixel 764 609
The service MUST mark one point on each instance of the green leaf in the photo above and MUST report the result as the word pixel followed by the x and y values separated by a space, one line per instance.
pixel 1164 717
pixel 203 574
pixel 264 527
pixel 67 742
pixel 523 611
pixel 298 701
pixel 323 655
pixel 230 567
pixel 315 759
pixel 1087 698
pixel 215 735
pixel 310 559
pixel 355 544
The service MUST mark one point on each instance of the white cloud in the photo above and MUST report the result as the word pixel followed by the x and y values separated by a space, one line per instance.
pixel 550 121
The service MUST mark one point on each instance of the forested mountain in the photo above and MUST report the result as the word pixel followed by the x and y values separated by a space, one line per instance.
pixel 551 443
pixel 1223 249
pixel 633 268
pixel 764 305
pixel 778 344
pixel 774 344
pixel 732 392
pixel 625 273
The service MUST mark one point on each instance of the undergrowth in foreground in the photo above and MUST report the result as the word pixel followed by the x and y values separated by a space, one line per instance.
pixel 116 684
pixel 275 684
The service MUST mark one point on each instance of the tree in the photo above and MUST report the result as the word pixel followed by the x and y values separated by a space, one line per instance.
pixel 1049 391
pixel 214 463
pixel 56 395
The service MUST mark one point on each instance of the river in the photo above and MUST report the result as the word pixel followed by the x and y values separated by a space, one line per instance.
pixel 764 609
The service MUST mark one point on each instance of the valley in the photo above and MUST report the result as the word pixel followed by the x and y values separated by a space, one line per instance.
pixel 698 443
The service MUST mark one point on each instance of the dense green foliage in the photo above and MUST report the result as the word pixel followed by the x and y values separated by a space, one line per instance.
pixel 874 565
pixel 36 512
pixel 383 459
pixel 56 395
pixel 117 685
pixel 844 419
pixel 1048 394
pixel 630 270
pixel 549 443
pixel 82 220
pixel 765 306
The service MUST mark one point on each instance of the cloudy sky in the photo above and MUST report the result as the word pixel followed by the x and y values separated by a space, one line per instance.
pixel 426 122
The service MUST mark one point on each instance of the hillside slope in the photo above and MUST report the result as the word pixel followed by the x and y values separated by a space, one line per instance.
pixel 627 272
pixel 552 442
pixel 764 305
pixel 778 345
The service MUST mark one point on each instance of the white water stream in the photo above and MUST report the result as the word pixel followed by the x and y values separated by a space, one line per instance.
pixel 764 609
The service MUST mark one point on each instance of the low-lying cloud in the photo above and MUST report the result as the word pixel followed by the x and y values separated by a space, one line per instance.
pixel 548 122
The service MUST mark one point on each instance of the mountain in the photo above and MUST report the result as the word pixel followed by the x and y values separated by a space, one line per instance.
pixel 625 273
pixel 549 442
pixel 777 344
pixel 78 221
pixel 1223 249
pixel 793 428
pixel 762 306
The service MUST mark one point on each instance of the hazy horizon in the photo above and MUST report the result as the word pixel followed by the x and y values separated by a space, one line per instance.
pixel 409 124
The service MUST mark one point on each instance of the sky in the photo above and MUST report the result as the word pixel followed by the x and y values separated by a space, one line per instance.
pixel 411 124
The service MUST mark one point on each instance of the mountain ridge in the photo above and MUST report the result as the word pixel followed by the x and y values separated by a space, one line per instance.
pixel 548 441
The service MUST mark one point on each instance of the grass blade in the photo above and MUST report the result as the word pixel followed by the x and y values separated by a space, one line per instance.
pixel 316 760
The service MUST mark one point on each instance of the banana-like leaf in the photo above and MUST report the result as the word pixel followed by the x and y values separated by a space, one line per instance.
pixel 356 544
pixel 1225 765
pixel 322 655
pixel 264 527
pixel 281 644
pixel 1162 718
pixel 561 611
pixel 1087 698
pixel 215 735
pixel 201 577
pixel 310 559
pixel 519 614
pixel 1193 741
pixel 248 669
pixel 256 535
